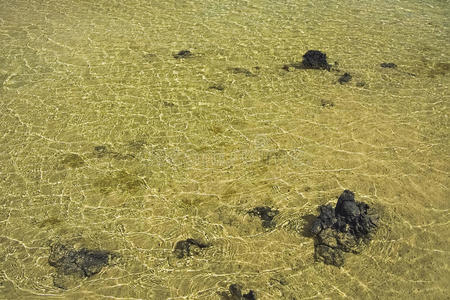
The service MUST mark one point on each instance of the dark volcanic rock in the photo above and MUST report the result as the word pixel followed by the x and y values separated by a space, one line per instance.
pixel 183 248
pixel 314 59
pixel 345 78
pixel 266 214
pixel 342 229
pixel 388 65
pixel 235 293
pixel 326 219
pixel 183 54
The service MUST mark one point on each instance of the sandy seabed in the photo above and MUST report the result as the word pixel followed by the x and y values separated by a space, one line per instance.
pixel 111 141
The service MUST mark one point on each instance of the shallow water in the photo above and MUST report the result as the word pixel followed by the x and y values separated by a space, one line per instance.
pixel 182 159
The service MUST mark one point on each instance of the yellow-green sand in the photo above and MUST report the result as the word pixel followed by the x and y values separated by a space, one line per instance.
pixel 110 142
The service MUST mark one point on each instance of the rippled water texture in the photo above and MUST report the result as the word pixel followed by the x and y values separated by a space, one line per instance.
pixel 111 141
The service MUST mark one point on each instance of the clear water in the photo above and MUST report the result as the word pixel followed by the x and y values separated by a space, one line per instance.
pixel 186 160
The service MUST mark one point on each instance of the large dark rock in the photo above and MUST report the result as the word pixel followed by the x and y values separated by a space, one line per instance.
pixel 235 293
pixel 314 59
pixel 266 214
pixel 342 229
pixel 183 248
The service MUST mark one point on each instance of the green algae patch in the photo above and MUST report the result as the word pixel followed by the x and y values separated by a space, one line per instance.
pixel 119 181
pixel 50 222
pixel 72 160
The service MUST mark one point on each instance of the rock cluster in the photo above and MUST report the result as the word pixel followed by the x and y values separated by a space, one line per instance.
pixel 342 229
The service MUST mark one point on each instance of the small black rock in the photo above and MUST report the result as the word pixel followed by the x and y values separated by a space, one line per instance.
pixel 345 78
pixel 183 248
pixel 388 65
pixel 183 54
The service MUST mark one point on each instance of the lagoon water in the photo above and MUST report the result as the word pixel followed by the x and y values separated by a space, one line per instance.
pixel 110 142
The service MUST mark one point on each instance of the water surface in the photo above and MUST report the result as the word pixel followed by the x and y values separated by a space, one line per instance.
pixel 109 142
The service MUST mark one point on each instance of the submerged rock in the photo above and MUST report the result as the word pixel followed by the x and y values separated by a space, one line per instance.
pixel 235 293
pixel 103 151
pixel 326 103
pixel 72 160
pixel 150 57
pixel 342 229
pixel 345 78
pixel 183 248
pixel 287 67
pixel 100 151
pixel 84 262
pixel 81 263
pixel 241 71
pixel 183 54
pixel 388 65
pixel 266 214
pixel 218 87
